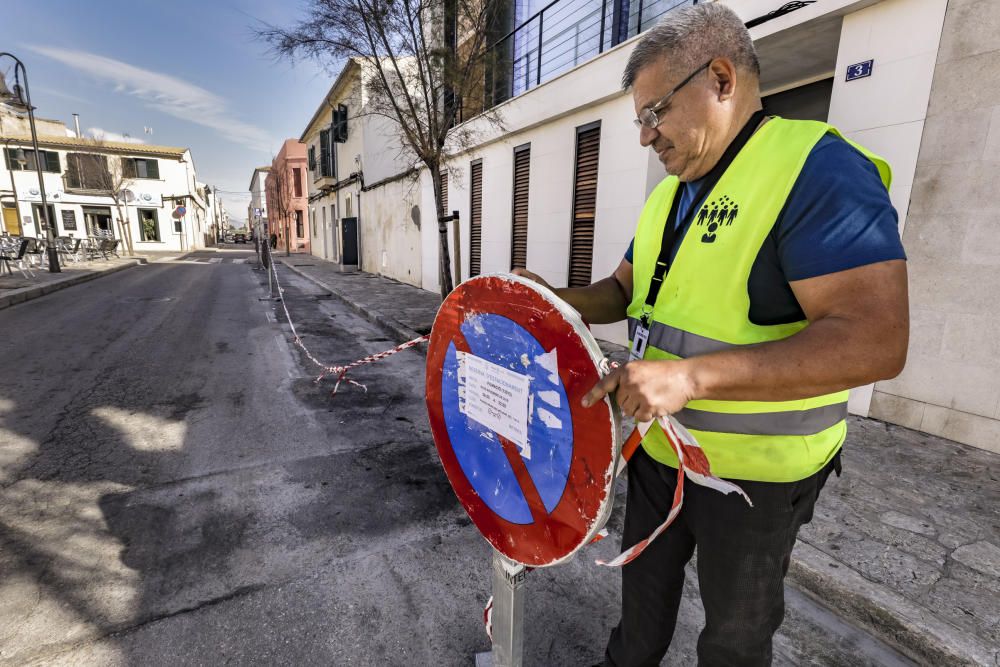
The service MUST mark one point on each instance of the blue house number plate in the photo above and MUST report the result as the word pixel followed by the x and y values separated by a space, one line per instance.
pixel 859 70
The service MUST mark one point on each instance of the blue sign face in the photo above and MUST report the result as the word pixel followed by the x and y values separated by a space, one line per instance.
pixel 860 70
pixel 550 427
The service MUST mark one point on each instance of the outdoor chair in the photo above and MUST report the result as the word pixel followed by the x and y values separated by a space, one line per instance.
pixel 36 252
pixel 8 255
pixel 110 246
pixel 70 248
pixel 92 248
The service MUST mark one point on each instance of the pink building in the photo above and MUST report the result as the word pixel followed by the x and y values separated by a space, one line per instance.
pixel 288 198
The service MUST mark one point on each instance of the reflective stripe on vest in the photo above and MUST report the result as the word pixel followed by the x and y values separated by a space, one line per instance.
pixel 703 308
pixel 791 422
pixel 678 342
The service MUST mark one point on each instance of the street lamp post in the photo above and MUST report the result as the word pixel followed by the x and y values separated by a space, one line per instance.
pixel 16 100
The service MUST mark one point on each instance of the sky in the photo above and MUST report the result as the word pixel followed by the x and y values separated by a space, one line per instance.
pixel 191 70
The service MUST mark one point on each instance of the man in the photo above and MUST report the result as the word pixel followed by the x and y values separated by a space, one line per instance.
pixel 766 278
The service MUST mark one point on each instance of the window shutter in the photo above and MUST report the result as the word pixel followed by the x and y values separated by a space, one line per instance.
pixel 312 158
pixel 581 245
pixel 152 169
pixel 73 170
pixel 476 219
pixel 444 193
pixel 128 167
pixel 324 153
pixel 519 231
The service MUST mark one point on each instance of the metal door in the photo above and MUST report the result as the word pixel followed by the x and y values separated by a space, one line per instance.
pixel 349 232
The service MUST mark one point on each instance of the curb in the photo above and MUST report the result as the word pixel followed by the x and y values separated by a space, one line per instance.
pixel 906 626
pixel 401 331
pixel 40 291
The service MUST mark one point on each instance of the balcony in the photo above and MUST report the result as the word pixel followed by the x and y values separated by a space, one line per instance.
pixel 323 182
pixel 562 35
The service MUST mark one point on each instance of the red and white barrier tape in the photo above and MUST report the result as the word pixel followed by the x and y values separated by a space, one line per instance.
pixel 693 464
pixel 339 371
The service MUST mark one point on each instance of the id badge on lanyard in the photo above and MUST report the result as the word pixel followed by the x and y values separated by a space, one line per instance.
pixel 639 340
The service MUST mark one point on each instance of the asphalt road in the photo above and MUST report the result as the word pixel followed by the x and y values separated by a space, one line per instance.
pixel 175 489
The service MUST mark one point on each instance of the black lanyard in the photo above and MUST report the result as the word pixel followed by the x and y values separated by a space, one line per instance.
pixel 673 232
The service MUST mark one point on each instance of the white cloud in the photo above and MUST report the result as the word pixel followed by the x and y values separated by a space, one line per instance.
pixel 101 133
pixel 165 93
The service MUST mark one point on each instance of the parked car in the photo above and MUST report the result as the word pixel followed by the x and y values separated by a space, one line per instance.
pixel 239 238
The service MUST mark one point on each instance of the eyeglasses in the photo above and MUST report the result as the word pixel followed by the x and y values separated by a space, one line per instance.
pixel 647 116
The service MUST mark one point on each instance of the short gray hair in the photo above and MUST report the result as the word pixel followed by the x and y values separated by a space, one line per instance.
pixel 692 35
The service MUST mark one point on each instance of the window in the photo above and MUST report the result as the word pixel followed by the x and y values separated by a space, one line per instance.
pixel 519 212
pixel 149 226
pixel 476 218
pixel 338 128
pixel 178 224
pixel 50 160
pixel 299 228
pixel 297 182
pixel 312 158
pixel 312 220
pixel 581 244
pixel 134 167
pixel 86 171
pixel 326 154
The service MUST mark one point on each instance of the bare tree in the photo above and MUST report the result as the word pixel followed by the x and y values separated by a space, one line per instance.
pixel 111 178
pixel 279 201
pixel 422 62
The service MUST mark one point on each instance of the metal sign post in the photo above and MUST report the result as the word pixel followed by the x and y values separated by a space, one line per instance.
pixel 507 615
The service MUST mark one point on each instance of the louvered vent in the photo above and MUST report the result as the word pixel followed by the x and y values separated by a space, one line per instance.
pixel 519 232
pixel 444 193
pixel 476 218
pixel 581 251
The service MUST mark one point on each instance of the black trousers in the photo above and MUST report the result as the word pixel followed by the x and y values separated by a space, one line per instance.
pixel 743 555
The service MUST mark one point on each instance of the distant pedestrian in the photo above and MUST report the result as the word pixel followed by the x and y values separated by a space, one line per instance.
pixel 274 241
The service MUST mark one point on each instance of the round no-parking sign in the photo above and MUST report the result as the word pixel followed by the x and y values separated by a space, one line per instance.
pixel 507 366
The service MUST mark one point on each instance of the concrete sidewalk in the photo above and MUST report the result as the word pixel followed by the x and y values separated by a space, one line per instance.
pixel 906 544
pixel 15 289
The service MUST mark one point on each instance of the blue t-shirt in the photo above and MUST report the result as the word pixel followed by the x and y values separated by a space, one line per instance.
pixel 837 217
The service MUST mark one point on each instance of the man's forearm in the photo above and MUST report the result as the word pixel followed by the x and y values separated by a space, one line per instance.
pixel 602 302
pixel 828 356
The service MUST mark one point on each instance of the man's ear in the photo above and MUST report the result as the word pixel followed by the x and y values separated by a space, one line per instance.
pixel 724 75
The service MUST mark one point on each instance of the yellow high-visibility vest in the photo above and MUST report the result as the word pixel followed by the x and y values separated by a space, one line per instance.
pixel 703 306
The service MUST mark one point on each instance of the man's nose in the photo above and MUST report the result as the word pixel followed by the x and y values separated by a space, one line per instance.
pixel 647 136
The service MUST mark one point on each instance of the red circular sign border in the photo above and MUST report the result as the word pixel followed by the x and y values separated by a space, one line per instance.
pixel 555 537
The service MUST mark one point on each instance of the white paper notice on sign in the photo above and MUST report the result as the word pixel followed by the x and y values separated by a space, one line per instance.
pixel 496 397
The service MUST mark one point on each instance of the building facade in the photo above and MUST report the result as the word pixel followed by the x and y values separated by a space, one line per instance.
pixel 82 177
pixel 287 193
pixel 364 196
pixel 257 210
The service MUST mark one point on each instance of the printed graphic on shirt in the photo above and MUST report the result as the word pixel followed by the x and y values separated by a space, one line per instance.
pixel 715 215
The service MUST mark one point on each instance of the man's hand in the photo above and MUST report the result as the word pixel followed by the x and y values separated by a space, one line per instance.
pixel 525 273
pixel 646 389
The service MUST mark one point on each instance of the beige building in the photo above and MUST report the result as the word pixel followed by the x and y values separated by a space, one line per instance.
pixel 951 383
